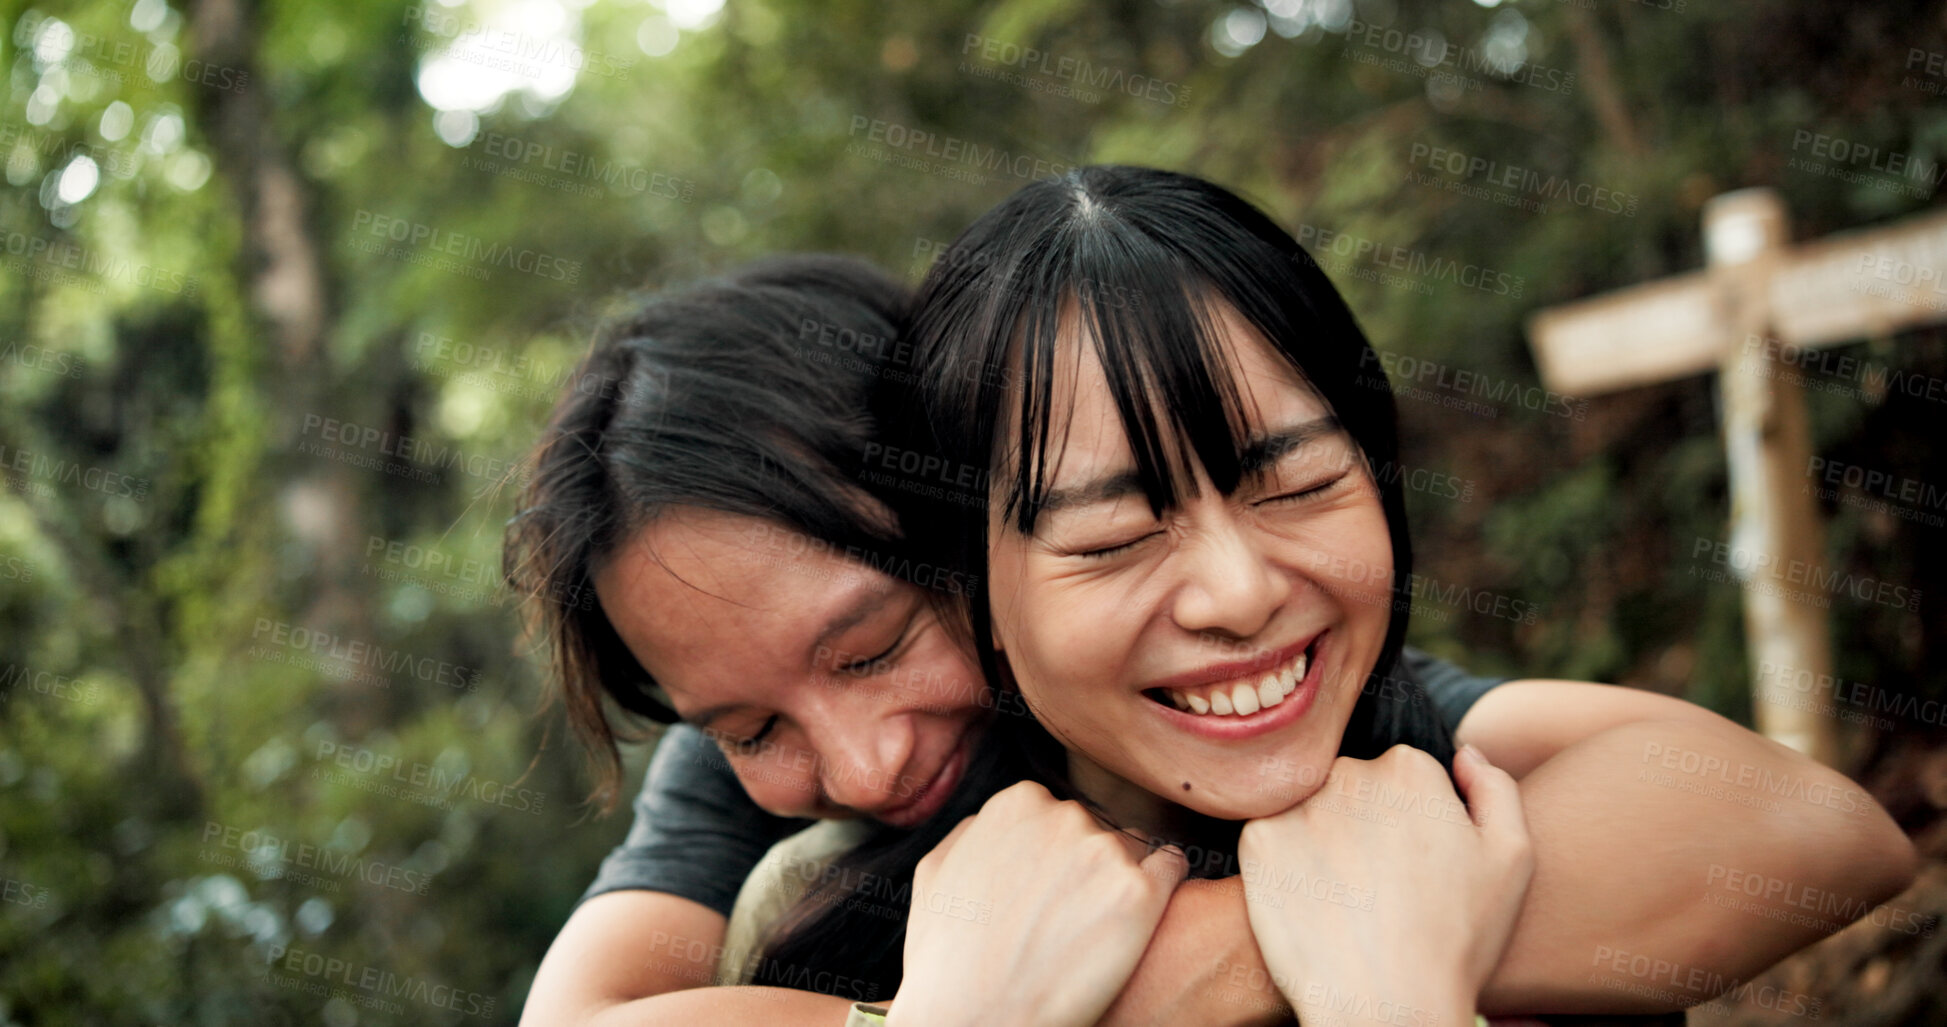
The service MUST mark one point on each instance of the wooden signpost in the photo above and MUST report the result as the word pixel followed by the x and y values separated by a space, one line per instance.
pixel 1759 300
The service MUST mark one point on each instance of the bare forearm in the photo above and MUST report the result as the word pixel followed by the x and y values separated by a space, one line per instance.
pixel 775 1006
pixel 1624 862
pixel 1628 852
pixel 1202 966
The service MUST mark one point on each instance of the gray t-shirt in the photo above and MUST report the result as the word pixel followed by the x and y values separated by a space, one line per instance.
pixel 697 835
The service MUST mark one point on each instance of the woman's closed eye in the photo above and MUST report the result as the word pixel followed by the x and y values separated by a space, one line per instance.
pixel 1105 551
pixel 868 664
pixel 884 658
pixel 746 746
pixel 1308 492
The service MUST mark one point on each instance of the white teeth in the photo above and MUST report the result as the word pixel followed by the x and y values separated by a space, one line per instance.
pixel 1269 691
pixel 1244 697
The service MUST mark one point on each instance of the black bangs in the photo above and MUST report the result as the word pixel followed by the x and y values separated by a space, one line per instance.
pixel 1147 277
pixel 1153 326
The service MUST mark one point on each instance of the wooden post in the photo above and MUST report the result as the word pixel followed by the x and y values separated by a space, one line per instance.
pixel 1872 281
pixel 1775 536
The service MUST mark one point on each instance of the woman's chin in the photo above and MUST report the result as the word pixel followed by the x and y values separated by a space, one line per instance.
pixel 1247 801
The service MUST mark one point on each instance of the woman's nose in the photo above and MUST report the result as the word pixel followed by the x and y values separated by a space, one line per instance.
pixel 1228 585
pixel 864 743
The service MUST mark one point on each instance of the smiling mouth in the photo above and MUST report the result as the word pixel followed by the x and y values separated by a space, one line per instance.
pixel 1242 696
pixel 931 796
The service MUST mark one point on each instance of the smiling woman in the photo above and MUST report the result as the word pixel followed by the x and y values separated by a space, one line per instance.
pixel 1214 634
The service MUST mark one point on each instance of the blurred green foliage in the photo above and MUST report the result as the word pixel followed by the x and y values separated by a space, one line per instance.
pixel 239 717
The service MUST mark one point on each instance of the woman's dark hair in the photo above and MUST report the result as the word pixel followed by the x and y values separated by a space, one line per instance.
pixel 1144 255
pixel 745 394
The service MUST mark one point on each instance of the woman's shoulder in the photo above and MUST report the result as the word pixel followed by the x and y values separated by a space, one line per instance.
pixel 776 883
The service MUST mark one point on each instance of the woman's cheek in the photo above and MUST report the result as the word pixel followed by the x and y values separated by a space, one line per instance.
pixel 1083 624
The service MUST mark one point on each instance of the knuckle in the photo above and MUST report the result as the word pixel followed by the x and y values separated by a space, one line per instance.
pixel 1074 816
pixel 1018 797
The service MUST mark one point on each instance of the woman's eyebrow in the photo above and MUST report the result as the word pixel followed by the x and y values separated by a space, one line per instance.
pixel 1264 450
pixel 1114 485
pixel 870 601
